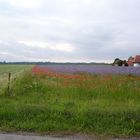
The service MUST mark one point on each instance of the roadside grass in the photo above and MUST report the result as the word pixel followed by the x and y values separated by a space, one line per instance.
pixel 92 104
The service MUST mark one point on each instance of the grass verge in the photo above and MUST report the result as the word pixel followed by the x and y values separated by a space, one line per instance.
pixel 93 104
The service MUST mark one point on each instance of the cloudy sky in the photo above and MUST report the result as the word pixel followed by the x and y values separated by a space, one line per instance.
pixel 69 30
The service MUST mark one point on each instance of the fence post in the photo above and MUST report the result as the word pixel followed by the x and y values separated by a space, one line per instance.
pixel 9 79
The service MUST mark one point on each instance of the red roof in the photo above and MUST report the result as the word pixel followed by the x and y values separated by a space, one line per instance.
pixel 136 59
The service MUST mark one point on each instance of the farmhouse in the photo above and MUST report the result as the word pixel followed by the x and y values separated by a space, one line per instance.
pixel 134 61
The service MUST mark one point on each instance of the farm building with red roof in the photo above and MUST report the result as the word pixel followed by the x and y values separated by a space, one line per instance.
pixel 134 61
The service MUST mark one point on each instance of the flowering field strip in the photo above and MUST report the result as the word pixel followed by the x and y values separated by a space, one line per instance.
pixel 93 69
pixel 68 73
pixel 52 73
pixel 85 79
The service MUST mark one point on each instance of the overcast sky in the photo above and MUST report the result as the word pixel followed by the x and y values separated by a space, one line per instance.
pixel 69 30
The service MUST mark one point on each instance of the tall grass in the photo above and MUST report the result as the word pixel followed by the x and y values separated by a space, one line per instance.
pixel 108 105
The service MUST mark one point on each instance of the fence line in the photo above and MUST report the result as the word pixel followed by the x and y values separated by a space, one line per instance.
pixel 4 77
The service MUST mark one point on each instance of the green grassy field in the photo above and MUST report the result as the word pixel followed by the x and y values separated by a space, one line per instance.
pixel 93 104
pixel 15 70
pixel 5 68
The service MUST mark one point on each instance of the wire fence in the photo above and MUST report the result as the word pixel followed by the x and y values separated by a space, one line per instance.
pixel 9 75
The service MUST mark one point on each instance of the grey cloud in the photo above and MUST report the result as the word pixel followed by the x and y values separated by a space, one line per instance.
pixel 30 53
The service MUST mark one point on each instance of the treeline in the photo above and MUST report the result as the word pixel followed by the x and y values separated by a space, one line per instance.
pixel 54 63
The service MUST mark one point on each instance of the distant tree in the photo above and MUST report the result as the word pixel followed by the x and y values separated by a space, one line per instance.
pixel 119 62
pixel 125 63
pixel 116 61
